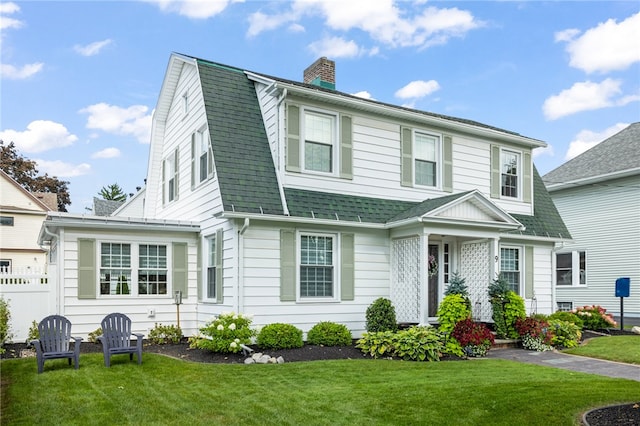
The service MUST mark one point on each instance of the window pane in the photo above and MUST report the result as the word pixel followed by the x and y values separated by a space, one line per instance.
pixel 316 269
pixel 211 282
pixel 425 147
pixel 318 128
pixel 317 157
pixel 583 267
pixel 203 167
pixel 425 173
pixel 510 267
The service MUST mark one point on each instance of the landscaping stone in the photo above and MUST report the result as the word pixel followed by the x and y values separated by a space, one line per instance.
pixel 635 329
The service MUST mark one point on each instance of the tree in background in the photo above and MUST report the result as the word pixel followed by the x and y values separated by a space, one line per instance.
pixel 113 192
pixel 24 171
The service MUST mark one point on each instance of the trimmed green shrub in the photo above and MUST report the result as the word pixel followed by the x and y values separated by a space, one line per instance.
pixel 328 333
pixel 381 316
pixel 564 333
pixel 5 320
pixel 567 316
pixel 93 336
pixel 163 334
pixel 507 307
pixel 456 286
pixel 224 334
pixel 280 336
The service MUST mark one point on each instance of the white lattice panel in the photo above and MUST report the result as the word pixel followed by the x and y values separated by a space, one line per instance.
pixel 474 268
pixel 405 286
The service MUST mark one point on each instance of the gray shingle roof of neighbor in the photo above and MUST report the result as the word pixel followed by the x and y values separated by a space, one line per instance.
pixel 246 172
pixel 102 207
pixel 618 153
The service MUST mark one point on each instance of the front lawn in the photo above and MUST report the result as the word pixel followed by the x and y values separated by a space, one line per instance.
pixel 340 392
pixel 613 348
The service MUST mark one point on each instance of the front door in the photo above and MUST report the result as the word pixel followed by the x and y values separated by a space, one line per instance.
pixel 433 277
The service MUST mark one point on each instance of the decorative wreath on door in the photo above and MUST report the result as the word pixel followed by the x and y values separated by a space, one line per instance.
pixel 433 266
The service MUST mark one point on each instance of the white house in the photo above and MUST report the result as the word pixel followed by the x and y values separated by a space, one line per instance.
pixel 297 203
pixel 598 196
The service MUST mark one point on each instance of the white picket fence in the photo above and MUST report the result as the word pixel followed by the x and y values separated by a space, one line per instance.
pixel 29 296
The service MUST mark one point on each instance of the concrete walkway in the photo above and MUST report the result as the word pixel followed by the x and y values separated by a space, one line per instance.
pixel 569 362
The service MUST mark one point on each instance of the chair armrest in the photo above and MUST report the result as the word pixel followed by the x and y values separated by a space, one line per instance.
pixel 36 344
pixel 139 336
pixel 77 339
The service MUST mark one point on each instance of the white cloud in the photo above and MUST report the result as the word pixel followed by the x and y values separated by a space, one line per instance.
pixel 6 22
pixel 13 73
pixel 583 96
pixel 383 20
pixel 107 153
pixel 566 35
pixel 132 121
pixel 194 9
pixel 548 150
pixel 587 139
pixel 607 47
pixel 61 169
pixel 417 89
pixel 40 135
pixel 92 48
pixel 364 95
pixel 336 47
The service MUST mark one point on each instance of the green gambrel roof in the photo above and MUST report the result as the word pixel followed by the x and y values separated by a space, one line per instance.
pixel 243 162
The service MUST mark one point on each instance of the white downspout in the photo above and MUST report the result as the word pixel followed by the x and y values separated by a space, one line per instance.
pixel 240 257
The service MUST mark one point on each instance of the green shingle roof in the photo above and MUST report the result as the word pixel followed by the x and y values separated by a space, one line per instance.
pixel 245 169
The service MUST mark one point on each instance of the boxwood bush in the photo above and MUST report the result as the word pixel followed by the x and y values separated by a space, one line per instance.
pixel 280 336
pixel 328 333
pixel 381 316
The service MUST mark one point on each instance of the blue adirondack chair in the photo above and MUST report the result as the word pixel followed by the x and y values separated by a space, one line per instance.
pixel 116 338
pixel 54 341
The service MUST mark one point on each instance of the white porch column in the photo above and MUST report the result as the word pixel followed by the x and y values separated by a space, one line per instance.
pixel 494 262
pixel 424 279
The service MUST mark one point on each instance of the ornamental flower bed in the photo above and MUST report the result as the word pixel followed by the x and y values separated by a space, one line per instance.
pixel 475 338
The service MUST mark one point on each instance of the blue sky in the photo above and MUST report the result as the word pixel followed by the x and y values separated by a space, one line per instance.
pixel 80 79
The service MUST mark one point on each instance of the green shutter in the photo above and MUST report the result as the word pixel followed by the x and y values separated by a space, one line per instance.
pixel 86 269
pixel 199 267
pixel 193 161
pixel 447 163
pixel 526 177
pixel 179 272
pixel 406 154
pixel 347 267
pixel 346 148
pixel 287 265
pixel 528 272
pixel 293 139
pixel 219 266
pixel 495 171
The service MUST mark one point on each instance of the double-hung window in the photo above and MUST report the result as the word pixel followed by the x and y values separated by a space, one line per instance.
pixel 152 269
pixel 317 266
pixel 571 268
pixel 510 173
pixel 201 157
pixel 426 149
pixel 319 141
pixel 115 268
pixel 510 267
pixel 170 178
pixel 211 268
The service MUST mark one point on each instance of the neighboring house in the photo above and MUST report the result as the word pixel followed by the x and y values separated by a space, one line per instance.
pixel 102 207
pixel 296 203
pixel 598 196
pixel 21 216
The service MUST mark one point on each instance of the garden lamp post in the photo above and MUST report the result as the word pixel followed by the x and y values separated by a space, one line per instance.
pixel 178 301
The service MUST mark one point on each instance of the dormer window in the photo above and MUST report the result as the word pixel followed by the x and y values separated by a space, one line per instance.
pixel 510 173
pixel 201 157
pixel 319 141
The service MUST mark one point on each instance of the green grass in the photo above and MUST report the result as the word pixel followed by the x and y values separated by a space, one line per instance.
pixel 341 392
pixel 613 348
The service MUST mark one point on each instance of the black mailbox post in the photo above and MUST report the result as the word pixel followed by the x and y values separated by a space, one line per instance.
pixel 623 285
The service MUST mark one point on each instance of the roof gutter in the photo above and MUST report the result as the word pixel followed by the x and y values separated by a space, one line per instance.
pixel 82 221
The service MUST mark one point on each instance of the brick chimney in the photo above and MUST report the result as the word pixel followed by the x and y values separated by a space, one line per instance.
pixel 321 73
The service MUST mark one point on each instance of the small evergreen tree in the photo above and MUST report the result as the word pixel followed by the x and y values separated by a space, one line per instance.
pixel 381 316
pixel 113 192
pixel 456 286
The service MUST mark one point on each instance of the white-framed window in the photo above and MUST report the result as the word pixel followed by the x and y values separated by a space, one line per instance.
pixel 564 306
pixel 426 148
pixel 211 268
pixel 510 173
pixel 571 268
pixel 5 266
pixel 170 178
pixel 185 102
pixel 511 267
pixel 317 279
pixel 201 157
pixel 319 141
pixel 131 269
pixel 152 272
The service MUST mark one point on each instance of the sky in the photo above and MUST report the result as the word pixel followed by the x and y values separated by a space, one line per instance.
pixel 80 80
